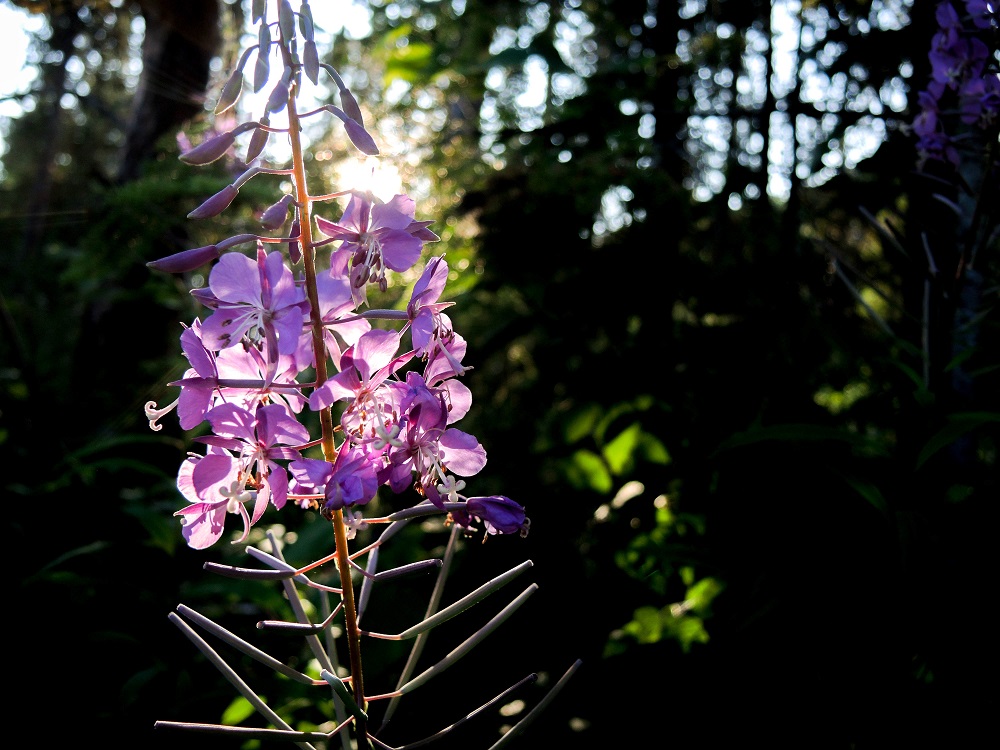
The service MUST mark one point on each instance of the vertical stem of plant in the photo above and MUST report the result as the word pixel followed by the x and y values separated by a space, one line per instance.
pixel 326 418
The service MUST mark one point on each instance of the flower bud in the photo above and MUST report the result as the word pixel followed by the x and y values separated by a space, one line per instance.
pixel 258 140
pixel 216 204
pixel 306 25
pixel 310 61
pixel 279 94
pixel 361 138
pixel 294 246
pixel 286 20
pixel 232 90
pixel 208 151
pixel 274 216
pixel 237 239
pixel 350 105
pixel 188 260
pixel 262 69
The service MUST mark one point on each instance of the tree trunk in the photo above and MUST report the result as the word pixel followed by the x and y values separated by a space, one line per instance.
pixel 182 37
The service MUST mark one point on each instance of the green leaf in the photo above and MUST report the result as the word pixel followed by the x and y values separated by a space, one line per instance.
pixel 587 471
pixel 958 425
pixel 409 63
pixel 871 493
pixel 701 593
pixel 618 453
pixel 582 423
pixel 653 450
pixel 690 630
pixel 646 626
pixel 237 712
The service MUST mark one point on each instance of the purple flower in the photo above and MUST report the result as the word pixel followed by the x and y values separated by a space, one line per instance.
pixel 350 480
pixel 980 100
pixel 428 323
pixel 365 366
pixel 260 439
pixel 499 514
pixel 274 215
pixel 199 384
pixel 243 373
pixel 431 331
pixel 985 13
pixel 257 300
pixel 215 147
pixel 374 236
pixel 336 302
pixel 424 444
pixel 214 486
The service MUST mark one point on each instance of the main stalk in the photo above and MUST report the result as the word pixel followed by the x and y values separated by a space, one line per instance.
pixel 304 204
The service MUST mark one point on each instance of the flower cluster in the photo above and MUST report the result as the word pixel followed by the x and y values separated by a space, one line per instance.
pixel 964 80
pixel 284 337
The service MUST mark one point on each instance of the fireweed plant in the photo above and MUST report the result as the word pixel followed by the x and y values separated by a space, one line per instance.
pixel 957 131
pixel 288 340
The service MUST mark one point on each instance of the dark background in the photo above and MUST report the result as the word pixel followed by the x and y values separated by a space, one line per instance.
pixel 802 411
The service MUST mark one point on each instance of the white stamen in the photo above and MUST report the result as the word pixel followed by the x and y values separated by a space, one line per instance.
pixel 153 414
pixel 451 487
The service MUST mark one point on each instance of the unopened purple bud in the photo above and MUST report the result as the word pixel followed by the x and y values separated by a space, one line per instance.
pixel 310 61
pixel 208 151
pixel 274 216
pixel 237 239
pixel 360 137
pixel 286 20
pixel 262 68
pixel 350 106
pixel 279 95
pixel 188 260
pixel 294 246
pixel 216 204
pixel 258 140
pixel 215 147
pixel 306 25
pixel 230 92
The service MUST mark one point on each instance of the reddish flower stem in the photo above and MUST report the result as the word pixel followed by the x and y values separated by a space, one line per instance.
pixel 326 418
